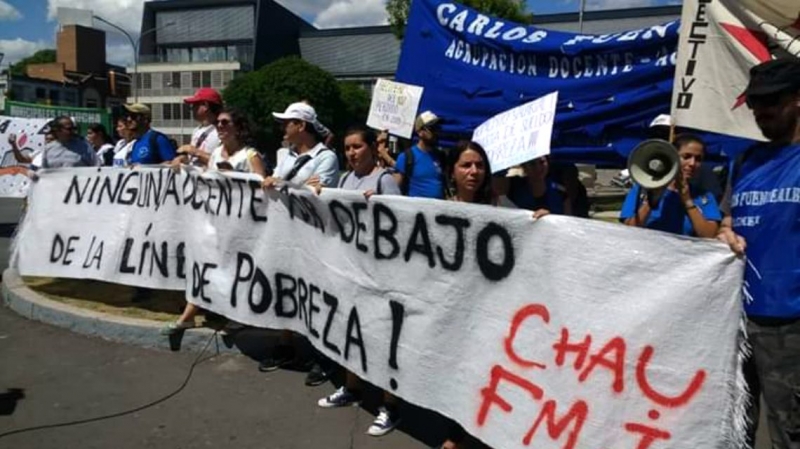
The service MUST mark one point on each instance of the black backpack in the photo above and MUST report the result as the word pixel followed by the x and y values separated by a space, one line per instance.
pixel 153 142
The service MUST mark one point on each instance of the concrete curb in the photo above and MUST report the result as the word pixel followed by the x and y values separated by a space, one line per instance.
pixel 24 301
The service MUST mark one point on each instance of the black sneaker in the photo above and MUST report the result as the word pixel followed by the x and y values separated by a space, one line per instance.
pixel 317 376
pixel 281 356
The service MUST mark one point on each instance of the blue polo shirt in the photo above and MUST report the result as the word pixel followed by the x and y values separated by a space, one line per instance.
pixel 670 215
pixel 427 180
pixel 144 155
pixel 519 192
pixel 765 208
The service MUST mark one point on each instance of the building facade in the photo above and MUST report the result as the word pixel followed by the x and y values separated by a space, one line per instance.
pixel 188 44
pixel 80 76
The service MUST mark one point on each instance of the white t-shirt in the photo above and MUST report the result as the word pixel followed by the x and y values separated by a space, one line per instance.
pixel 121 151
pixel 205 138
pixel 241 161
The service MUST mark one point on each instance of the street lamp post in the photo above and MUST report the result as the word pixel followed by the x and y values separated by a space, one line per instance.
pixel 135 45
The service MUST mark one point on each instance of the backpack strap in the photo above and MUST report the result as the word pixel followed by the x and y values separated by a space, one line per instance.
pixel 344 179
pixel 201 140
pixel 379 187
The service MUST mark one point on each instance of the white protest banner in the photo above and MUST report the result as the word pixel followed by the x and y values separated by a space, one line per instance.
pixel 520 134
pixel 394 107
pixel 556 333
pixel 720 41
pixel 30 140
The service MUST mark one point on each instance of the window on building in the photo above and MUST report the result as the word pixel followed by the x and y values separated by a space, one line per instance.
pixel 176 80
pixel 41 93
pixel 166 111
pixel 176 111
pixel 147 81
pixel 200 54
pixel 187 112
pixel 70 99
pixel 54 97
pixel 206 79
pixel 196 79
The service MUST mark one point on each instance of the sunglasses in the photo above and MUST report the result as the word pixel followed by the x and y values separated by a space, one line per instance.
pixel 223 122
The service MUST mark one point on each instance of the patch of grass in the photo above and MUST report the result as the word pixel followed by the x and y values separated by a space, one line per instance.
pixel 114 299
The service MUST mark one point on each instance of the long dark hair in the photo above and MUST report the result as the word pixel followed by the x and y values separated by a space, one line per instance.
pixel 484 194
pixel 99 128
pixel 687 138
pixel 241 122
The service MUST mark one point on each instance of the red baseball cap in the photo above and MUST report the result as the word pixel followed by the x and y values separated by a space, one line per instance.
pixel 205 94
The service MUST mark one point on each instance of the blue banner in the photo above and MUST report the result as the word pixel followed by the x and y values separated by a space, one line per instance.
pixel 473 67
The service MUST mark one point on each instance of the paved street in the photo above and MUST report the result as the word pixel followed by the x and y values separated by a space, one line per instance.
pixel 227 402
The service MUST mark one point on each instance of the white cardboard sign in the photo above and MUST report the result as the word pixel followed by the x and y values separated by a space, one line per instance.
pixel 394 107
pixel 518 135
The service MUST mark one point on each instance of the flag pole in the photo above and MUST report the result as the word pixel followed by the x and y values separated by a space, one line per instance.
pixel 580 16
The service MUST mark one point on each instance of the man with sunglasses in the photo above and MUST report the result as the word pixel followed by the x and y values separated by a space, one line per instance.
pixel 151 147
pixel 762 208
pixel 206 105
pixel 419 169
pixel 68 149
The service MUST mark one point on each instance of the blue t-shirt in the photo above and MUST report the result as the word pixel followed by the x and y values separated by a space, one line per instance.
pixel 519 192
pixel 143 154
pixel 765 208
pixel 426 180
pixel 670 215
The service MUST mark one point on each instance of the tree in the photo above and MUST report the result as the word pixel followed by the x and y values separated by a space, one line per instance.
pixel 513 10
pixel 40 57
pixel 288 80
pixel 355 101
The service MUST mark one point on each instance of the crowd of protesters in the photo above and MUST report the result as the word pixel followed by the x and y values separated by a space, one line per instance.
pixel 766 232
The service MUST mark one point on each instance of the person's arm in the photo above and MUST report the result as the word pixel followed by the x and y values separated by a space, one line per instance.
pixel 327 169
pixel 703 226
pixel 383 150
pixel 256 163
pixel 20 158
pixel 631 215
pixel 725 233
pixel 400 169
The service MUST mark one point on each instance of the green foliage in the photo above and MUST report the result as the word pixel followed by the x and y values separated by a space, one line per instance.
pixel 356 102
pixel 275 86
pixel 40 57
pixel 513 10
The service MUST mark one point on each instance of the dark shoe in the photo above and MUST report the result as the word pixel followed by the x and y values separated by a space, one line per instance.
pixel 317 376
pixel 141 295
pixel 281 356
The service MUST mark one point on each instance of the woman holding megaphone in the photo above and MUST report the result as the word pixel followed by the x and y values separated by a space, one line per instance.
pixel 680 208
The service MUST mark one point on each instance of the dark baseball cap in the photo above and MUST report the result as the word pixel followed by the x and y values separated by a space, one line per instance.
pixel 772 77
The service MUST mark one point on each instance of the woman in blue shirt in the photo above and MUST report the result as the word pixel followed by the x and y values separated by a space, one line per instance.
pixel 682 208
pixel 536 190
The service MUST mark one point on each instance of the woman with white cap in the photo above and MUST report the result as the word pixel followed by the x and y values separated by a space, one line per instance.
pixel 308 157
pixel 308 161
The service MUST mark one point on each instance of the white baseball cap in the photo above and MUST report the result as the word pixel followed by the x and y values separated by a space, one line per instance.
pixel 661 120
pixel 298 111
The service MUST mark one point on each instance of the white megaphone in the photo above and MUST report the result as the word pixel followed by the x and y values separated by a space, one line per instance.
pixel 654 164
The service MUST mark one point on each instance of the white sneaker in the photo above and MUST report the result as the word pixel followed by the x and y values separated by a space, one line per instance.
pixel 384 423
pixel 340 398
